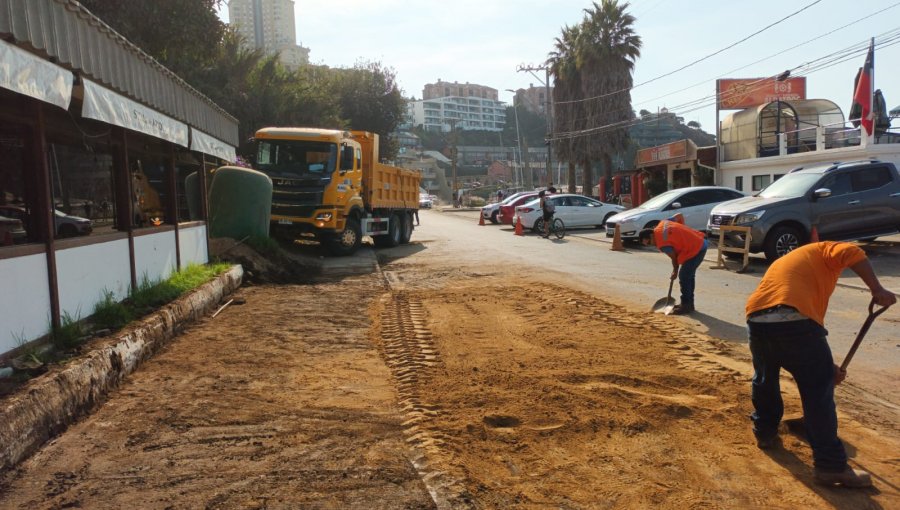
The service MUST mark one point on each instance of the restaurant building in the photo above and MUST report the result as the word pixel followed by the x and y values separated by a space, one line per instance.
pixel 103 153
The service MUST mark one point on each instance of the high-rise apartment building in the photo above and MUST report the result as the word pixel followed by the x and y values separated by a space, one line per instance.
pixel 269 25
pixel 467 105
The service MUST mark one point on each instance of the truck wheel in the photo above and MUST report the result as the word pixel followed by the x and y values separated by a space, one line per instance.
pixel 347 241
pixel 407 228
pixel 392 238
pixel 780 241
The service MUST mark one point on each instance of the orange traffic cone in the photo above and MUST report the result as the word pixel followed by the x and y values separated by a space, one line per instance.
pixel 814 235
pixel 519 231
pixel 617 240
pixel 480 219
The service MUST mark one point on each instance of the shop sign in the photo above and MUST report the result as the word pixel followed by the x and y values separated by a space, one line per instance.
pixel 107 106
pixel 667 152
pixel 737 94
pixel 27 74
pixel 202 142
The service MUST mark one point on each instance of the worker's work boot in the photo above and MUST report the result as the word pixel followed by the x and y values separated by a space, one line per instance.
pixel 847 478
pixel 768 443
pixel 682 309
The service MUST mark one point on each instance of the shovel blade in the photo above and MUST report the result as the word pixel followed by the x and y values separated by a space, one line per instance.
pixel 664 305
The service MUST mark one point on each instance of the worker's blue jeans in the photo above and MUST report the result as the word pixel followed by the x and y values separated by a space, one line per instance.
pixel 687 276
pixel 801 348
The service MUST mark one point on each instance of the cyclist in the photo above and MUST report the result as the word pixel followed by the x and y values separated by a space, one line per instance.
pixel 547 209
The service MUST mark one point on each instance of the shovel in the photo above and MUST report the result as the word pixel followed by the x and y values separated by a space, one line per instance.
pixel 862 332
pixel 666 304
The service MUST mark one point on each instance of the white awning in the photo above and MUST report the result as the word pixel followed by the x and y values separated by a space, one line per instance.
pixel 107 106
pixel 33 76
pixel 202 142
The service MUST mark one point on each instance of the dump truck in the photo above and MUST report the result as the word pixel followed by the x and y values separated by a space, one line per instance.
pixel 330 184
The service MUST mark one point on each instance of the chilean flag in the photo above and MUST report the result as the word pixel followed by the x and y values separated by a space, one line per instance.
pixel 862 96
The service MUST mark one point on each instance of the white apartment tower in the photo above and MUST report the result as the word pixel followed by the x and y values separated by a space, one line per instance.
pixel 269 25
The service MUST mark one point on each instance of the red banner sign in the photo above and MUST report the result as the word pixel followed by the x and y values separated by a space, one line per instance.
pixel 675 150
pixel 736 94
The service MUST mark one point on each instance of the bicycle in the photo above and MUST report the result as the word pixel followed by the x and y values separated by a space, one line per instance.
pixel 557 228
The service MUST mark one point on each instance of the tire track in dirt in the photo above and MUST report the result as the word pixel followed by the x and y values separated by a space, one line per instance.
pixel 410 354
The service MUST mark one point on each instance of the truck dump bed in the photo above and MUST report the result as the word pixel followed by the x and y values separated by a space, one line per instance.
pixel 385 186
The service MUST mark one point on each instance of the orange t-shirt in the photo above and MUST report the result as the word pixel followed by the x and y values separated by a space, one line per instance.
pixel 686 241
pixel 805 278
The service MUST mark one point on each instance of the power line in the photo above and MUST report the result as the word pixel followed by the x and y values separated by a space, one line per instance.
pixel 701 59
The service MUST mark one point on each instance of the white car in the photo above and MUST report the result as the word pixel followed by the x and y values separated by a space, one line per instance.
pixel 492 211
pixel 574 210
pixel 694 203
pixel 425 201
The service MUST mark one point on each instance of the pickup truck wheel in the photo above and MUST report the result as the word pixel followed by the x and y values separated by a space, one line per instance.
pixel 780 241
pixel 407 228
pixel 347 241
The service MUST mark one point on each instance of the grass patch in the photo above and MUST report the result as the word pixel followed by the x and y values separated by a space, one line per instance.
pixel 111 314
pixel 68 334
pixel 152 295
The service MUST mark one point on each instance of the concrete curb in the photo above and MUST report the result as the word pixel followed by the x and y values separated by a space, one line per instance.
pixel 54 401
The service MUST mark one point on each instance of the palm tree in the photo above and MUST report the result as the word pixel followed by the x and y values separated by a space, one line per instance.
pixel 566 89
pixel 606 53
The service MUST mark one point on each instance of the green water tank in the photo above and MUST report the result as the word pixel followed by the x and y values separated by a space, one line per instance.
pixel 240 203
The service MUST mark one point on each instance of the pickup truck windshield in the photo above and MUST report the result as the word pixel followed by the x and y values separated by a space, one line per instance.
pixel 790 186
pixel 287 158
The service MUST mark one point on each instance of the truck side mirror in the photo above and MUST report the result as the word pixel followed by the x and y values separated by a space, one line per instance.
pixel 346 159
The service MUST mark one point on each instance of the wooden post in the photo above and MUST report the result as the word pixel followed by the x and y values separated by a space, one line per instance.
pixel 171 206
pixel 45 210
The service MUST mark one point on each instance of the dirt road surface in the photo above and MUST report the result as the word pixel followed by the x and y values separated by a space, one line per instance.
pixel 436 384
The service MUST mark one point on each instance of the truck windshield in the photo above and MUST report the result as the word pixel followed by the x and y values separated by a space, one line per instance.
pixel 790 186
pixel 287 158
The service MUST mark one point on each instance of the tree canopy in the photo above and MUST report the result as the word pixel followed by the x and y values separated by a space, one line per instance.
pixel 187 37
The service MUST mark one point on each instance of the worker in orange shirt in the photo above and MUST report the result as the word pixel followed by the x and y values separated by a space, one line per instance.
pixel 686 248
pixel 785 320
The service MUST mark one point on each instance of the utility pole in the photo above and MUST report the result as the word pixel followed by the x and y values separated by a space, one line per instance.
pixel 547 109
pixel 453 153
pixel 521 178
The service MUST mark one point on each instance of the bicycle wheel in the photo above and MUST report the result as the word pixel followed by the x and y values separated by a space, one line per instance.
pixel 559 228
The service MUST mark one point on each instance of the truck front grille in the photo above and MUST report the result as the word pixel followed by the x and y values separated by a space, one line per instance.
pixel 296 197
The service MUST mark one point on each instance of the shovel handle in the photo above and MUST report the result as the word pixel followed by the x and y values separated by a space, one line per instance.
pixel 862 332
pixel 671 283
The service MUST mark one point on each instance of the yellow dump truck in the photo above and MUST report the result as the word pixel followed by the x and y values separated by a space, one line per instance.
pixel 329 183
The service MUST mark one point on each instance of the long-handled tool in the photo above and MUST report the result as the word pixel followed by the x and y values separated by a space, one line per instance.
pixel 666 304
pixel 862 332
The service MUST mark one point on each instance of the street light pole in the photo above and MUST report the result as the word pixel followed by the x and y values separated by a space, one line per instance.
pixel 547 110
pixel 518 136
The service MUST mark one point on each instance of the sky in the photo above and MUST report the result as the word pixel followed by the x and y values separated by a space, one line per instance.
pixel 485 41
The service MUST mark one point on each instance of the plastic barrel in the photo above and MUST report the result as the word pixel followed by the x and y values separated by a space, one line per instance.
pixel 240 203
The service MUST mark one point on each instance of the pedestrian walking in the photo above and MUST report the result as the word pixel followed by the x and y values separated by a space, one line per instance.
pixel 785 321
pixel 686 248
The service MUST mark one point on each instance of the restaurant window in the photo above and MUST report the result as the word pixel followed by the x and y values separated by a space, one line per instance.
pixel 739 183
pixel 16 226
pixel 760 181
pixel 187 184
pixel 147 166
pixel 81 185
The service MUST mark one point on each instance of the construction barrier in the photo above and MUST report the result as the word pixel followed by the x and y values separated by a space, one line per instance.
pixel 720 262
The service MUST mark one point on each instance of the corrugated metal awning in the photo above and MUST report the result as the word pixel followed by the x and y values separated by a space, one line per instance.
pixel 80 42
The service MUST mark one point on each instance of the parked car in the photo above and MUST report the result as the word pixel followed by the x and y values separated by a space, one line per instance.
pixel 491 212
pixel 11 231
pixel 694 203
pixel 65 225
pixel 575 211
pixel 508 210
pixel 845 201
pixel 425 201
